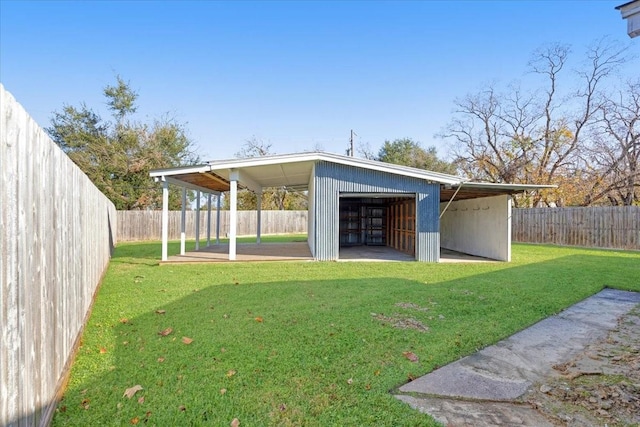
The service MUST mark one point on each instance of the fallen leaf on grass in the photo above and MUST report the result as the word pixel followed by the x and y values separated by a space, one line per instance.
pixel 103 350
pixel 350 381
pixel 223 390
pixel 182 408
pixel 135 420
pixel 235 422
pixel 231 373
pixel 377 372
pixel 132 390
pixel 259 319
pixel 410 356
pixel 141 400
pixel 187 340
pixel 165 332
pixel 160 359
pixel 161 311
pixel 123 320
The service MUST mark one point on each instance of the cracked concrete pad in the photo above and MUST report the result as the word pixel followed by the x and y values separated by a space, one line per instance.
pixel 460 413
pixel 506 370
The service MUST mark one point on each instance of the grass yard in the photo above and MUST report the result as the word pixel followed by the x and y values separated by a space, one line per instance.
pixel 305 343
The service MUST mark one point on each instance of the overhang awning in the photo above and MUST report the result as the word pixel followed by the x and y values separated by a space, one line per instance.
pixel 290 170
pixel 631 12
pixel 474 190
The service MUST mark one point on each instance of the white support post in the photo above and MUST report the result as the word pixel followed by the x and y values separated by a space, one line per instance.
pixel 208 219
pixel 198 194
pixel 233 218
pixel 183 222
pixel 218 203
pixel 165 219
pixel 508 236
pixel 259 216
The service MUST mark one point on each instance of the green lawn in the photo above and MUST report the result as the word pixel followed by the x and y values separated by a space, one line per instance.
pixel 305 343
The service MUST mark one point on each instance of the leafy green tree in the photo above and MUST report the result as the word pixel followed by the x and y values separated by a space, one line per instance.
pixel 408 152
pixel 118 156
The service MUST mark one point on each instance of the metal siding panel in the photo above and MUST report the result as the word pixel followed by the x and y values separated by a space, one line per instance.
pixel 332 179
pixel 428 226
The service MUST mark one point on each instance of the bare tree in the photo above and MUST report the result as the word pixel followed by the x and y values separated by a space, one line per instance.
pixel 615 153
pixel 365 151
pixel 535 137
pixel 254 147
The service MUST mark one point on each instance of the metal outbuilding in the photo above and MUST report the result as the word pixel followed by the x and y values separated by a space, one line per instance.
pixel 355 201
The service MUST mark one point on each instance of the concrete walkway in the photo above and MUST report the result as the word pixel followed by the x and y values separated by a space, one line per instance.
pixel 484 389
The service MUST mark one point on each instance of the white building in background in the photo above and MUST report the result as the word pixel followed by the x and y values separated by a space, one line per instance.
pixel 631 12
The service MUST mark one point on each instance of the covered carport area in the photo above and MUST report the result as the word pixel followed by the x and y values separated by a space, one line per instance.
pixel 230 176
pixel 475 218
pixel 354 205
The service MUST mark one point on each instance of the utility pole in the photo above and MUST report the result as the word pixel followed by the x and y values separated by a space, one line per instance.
pixel 351 141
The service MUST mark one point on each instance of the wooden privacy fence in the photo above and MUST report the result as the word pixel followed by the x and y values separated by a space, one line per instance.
pixel 616 227
pixel 56 238
pixel 147 225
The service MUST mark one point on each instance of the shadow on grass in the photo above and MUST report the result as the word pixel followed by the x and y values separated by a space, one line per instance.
pixel 310 352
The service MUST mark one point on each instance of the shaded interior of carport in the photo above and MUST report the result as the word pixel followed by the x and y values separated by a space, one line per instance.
pixel 468 213
pixel 378 220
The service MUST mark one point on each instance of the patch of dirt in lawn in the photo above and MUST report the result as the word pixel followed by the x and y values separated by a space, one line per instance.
pixel 601 386
pixel 401 322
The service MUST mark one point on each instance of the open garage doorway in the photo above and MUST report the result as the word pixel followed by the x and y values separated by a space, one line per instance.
pixel 377 227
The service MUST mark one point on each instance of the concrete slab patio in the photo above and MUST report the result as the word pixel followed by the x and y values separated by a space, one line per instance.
pixel 299 251
pixel 290 251
pixel 485 389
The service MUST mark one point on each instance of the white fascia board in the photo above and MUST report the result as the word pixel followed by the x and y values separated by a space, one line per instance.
pixel 335 158
pixel 498 186
pixel 178 170
pixel 629 9
pixel 261 161
pixel 396 169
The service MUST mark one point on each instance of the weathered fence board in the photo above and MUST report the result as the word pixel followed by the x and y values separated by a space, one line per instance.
pixel 616 227
pixel 56 238
pixel 600 227
pixel 147 225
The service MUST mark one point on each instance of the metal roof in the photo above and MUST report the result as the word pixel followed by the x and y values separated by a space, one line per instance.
pixel 473 190
pixel 294 171
pixel 286 170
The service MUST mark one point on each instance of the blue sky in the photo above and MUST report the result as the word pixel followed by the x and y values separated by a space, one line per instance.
pixel 297 75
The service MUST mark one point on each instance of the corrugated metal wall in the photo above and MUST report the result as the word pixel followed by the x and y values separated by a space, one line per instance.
pixel 331 179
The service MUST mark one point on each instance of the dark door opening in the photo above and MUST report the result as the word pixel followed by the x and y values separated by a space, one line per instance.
pixel 362 222
pixel 379 220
